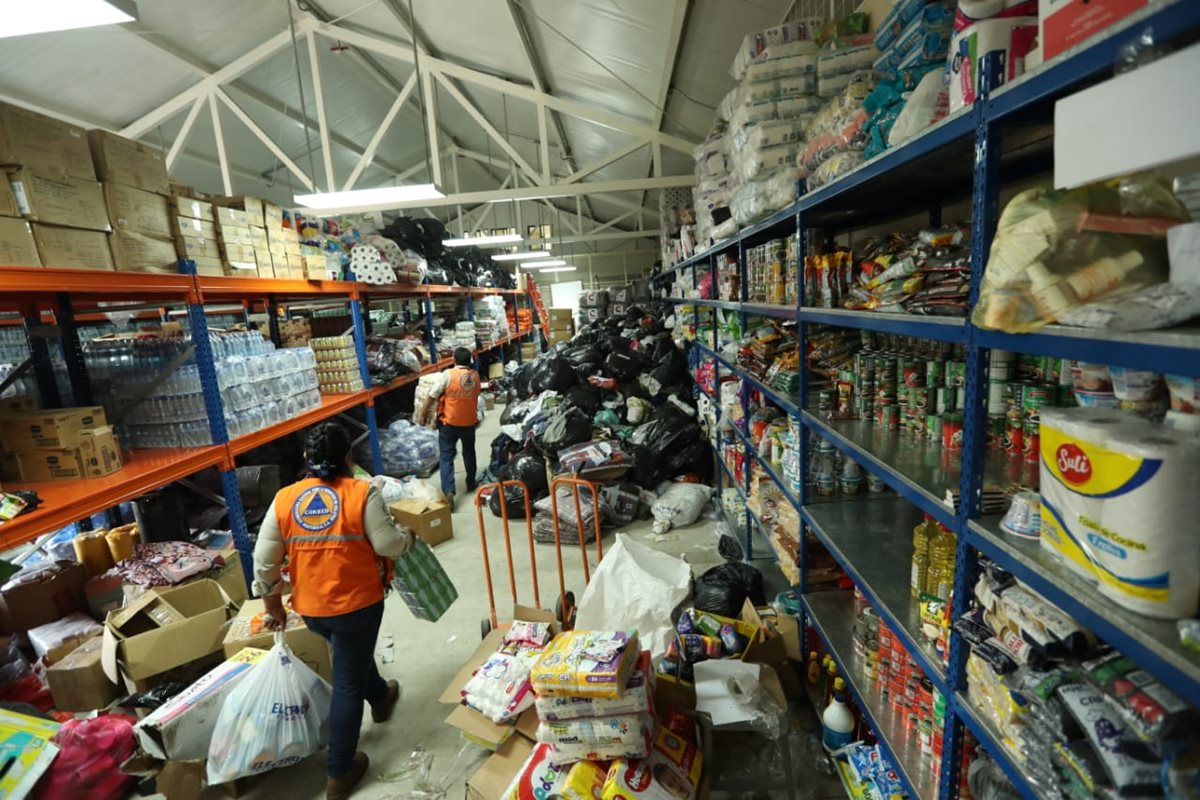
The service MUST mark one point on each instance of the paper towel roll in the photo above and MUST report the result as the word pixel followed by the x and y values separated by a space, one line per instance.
pixel 1073 443
pixel 1011 36
pixel 1145 547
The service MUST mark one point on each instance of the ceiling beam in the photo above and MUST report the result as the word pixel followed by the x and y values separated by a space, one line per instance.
pixel 679 16
pixel 607 160
pixel 527 193
pixel 613 236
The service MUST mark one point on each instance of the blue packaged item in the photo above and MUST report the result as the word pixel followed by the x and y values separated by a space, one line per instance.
pixel 929 33
pixel 902 13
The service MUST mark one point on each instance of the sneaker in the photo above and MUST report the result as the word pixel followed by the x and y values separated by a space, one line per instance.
pixel 341 787
pixel 383 712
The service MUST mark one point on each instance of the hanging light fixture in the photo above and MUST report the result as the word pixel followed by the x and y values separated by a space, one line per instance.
pixel 558 269
pixel 522 256
pixel 45 16
pixel 484 241
pixel 550 262
pixel 368 199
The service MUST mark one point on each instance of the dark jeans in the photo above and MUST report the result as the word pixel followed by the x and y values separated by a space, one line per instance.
pixel 448 437
pixel 355 679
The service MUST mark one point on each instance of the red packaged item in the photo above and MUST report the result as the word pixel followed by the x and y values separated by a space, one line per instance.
pixel 89 760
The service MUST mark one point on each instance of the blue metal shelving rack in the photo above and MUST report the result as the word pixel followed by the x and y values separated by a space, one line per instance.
pixel 976 134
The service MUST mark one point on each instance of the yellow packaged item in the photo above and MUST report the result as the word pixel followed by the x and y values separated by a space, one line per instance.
pixel 586 664
pixel 540 778
pixel 671 772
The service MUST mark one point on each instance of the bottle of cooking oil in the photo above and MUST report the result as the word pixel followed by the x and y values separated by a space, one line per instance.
pixel 920 563
pixel 831 675
pixel 940 576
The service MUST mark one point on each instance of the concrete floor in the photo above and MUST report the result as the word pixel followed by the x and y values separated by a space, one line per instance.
pixel 425 656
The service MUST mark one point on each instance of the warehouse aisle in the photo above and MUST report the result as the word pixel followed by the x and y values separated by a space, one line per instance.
pixel 424 656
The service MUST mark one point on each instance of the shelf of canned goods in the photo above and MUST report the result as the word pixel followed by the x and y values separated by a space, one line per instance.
pixel 189 403
pixel 951 427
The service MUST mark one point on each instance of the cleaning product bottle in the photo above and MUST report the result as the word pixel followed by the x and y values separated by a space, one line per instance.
pixel 1050 293
pixel 1103 275
pixel 814 668
pixel 831 679
pixel 837 723
pixel 920 562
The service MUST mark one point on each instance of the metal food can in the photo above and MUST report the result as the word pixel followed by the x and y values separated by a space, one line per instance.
pixel 933 427
pixel 1014 393
pixel 1014 433
pixel 995 430
pixel 960 397
pixel 935 373
pixel 916 424
pixel 825 400
pixel 1031 440
pixel 944 399
pixel 887 417
pixel 1036 397
pixel 952 431
pixel 956 373
pixel 995 396
pixel 918 399
pixel 914 373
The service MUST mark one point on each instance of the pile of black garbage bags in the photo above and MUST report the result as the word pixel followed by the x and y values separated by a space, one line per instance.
pixel 458 266
pixel 613 406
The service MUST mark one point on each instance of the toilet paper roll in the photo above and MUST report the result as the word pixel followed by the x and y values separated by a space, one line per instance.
pixel 1011 36
pixel 1145 548
pixel 1073 445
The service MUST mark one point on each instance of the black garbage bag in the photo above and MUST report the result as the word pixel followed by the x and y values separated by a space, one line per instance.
pixel 725 588
pixel 695 457
pixel 521 380
pixel 647 469
pixel 514 413
pixel 530 469
pixel 503 448
pixel 552 373
pixel 664 434
pixel 567 426
pixel 622 366
pixel 513 498
pixel 583 354
pixel 584 397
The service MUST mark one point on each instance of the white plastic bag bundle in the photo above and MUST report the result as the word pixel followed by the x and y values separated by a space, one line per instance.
pixel 679 504
pixel 635 588
pixel 277 716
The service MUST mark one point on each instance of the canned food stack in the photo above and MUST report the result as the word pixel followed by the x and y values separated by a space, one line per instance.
pixel 771 272
pixel 337 364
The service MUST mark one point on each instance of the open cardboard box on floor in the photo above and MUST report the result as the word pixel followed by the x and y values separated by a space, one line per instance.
pixel 473 726
pixel 162 630
pixel 305 645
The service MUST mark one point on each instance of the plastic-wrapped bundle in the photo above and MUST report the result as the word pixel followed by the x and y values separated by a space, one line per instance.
pixel 784 67
pixel 789 39
pixel 408 449
pixel 838 125
pixel 769 134
pixel 927 35
pixel 778 108
pixel 757 199
pixel 756 164
pixel 845 61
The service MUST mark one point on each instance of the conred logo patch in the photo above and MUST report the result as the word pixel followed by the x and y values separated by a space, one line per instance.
pixel 1074 464
pixel 316 508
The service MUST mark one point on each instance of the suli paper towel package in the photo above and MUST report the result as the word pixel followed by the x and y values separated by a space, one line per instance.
pixel 1012 37
pixel 1119 507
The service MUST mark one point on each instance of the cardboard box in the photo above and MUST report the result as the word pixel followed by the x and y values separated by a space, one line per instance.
pixel 51 465
pixel 73 202
pixel 30 605
pixel 128 162
pixel 191 207
pixel 8 203
pixel 135 252
pixel 560 315
pixel 137 211
pixel 18 402
pixel 272 217
pixel 78 683
pixel 206 265
pixel 554 337
pixel 235 236
pixel 182 728
pixel 431 521
pixel 258 238
pixel 229 577
pixel 30 139
pixel 496 773
pixel 252 206
pixel 51 428
pixel 17 247
pixel 238 252
pixel 231 217
pixel 495 370
pixel 266 264
pixel 165 629
pixel 473 726
pixel 182 225
pixel 1063 24
pixel 70 248
pixel 307 646
pixel 99 452
pixel 199 246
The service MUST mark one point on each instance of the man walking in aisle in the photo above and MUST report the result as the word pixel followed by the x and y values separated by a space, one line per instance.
pixel 457 394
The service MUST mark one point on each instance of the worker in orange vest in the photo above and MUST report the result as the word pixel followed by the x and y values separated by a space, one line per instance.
pixel 456 391
pixel 340 541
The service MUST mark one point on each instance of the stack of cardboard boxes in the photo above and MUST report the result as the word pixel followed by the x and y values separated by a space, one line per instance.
pixel 561 326
pixel 58 444
pixel 246 226
pixel 51 182
pixel 196 234
pixel 134 177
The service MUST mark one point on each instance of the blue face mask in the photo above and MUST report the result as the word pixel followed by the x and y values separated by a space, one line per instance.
pixel 323 470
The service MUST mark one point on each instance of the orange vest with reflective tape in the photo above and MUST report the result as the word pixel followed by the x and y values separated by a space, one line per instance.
pixel 458 404
pixel 333 568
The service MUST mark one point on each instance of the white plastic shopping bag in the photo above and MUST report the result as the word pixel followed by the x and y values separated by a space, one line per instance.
pixel 277 716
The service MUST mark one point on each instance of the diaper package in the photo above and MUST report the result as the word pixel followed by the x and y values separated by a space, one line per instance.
pixel 671 772
pixel 638 747
pixel 587 664
pixel 1119 505
pixel 622 730
pixel 634 700
pixel 541 777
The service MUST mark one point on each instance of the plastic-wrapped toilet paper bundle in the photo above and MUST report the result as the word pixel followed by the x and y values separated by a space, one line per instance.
pixel 1147 549
pixel 1013 36
pixel 1119 506
pixel 1067 499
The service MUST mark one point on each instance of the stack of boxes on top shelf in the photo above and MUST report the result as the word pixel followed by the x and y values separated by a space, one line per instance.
pixel 560 326
pixel 55 444
pixel 239 236
pixel 80 199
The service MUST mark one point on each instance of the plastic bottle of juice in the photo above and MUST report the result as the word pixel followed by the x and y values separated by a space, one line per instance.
pixel 814 668
pixel 831 679
pixel 920 564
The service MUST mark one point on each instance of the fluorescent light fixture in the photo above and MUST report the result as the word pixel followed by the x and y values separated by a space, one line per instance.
pixel 484 241
pixel 525 256
pixel 369 197
pixel 550 262
pixel 558 269
pixel 44 16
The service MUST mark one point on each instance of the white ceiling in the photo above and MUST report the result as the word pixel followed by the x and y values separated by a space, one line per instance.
pixel 608 54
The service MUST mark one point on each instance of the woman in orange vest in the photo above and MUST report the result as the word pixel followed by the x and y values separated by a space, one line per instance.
pixel 457 394
pixel 339 539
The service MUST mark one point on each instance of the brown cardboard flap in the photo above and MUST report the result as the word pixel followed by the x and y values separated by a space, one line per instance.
pixel 491 779
pixel 477 728
pixel 527 724
pixel 453 692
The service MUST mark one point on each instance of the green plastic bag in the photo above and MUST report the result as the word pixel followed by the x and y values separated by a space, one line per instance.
pixel 420 580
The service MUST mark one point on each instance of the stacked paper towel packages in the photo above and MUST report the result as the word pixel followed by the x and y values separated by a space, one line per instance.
pixel 1119 506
